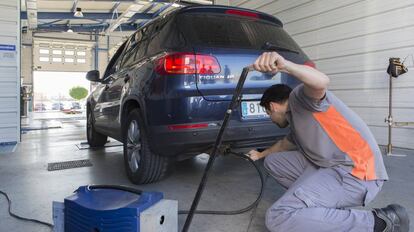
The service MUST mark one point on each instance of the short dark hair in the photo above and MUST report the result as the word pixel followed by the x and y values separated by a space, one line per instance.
pixel 278 93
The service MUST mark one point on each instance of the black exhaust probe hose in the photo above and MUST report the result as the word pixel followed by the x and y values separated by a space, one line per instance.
pixel 234 102
pixel 243 210
pixel 117 187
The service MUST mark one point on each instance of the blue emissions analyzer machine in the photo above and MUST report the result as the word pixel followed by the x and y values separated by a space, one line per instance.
pixel 109 209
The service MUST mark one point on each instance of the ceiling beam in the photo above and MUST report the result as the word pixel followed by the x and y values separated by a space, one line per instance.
pixel 82 28
pixel 65 15
pixel 115 7
pixel 75 5
pixel 124 17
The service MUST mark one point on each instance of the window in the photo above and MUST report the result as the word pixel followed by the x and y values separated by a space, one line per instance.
pixel 69 60
pixel 44 59
pixel 57 52
pixel 142 46
pixel 229 31
pixel 164 37
pixel 136 47
pixel 129 55
pixel 57 59
pixel 81 53
pixel 112 66
pixel 81 61
pixel 69 53
pixel 43 51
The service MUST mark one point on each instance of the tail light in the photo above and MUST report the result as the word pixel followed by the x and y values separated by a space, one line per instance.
pixel 310 63
pixel 187 63
pixel 243 13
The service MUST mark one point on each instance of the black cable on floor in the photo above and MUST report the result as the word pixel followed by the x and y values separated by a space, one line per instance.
pixel 23 218
pixel 240 211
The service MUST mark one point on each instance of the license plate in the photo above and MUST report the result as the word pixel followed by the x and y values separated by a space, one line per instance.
pixel 252 109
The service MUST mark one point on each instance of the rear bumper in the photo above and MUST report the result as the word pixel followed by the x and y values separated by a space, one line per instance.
pixel 188 142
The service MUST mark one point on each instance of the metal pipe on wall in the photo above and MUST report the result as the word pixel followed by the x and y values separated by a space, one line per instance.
pixel 389 119
pixel 96 52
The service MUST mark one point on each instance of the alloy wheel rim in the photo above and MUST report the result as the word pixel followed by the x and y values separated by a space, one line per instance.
pixel 133 146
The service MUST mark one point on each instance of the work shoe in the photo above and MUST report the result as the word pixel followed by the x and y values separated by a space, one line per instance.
pixel 395 217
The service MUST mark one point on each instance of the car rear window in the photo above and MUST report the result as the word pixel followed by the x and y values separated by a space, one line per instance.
pixel 232 31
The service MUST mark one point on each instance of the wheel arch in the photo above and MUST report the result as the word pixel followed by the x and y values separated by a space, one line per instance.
pixel 127 106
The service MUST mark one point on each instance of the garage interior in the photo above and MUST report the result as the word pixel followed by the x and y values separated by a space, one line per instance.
pixel 349 40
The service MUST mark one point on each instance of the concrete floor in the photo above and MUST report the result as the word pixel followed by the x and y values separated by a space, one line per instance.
pixel 233 183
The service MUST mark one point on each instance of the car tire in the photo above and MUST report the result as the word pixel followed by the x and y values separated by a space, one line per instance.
pixel 142 166
pixel 95 139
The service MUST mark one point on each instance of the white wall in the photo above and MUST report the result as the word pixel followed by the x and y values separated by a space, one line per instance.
pixel 9 71
pixel 351 41
pixel 221 2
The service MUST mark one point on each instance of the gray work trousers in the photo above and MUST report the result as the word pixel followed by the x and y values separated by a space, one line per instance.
pixel 318 199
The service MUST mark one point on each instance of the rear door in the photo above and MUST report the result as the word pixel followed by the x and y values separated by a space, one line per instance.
pixel 104 107
pixel 236 42
pixel 133 53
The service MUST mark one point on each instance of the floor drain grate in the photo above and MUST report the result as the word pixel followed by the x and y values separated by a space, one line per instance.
pixel 68 165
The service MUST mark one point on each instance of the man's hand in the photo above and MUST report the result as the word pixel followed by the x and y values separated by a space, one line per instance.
pixel 281 145
pixel 255 155
pixel 315 81
pixel 271 62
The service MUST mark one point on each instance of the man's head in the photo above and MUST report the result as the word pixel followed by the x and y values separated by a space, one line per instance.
pixel 275 101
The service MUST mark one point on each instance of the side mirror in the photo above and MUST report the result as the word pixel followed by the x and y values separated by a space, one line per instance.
pixel 93 76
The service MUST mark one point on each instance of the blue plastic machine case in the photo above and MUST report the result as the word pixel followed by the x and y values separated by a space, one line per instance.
pixel 106 210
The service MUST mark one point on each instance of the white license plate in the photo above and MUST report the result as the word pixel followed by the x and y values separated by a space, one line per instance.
pixel 252 109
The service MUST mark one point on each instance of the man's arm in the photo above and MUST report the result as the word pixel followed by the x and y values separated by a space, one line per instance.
pixel 315 82
pixel 281 145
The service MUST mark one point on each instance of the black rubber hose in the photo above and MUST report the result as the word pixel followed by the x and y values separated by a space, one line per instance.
pixel 23 218
pixel 240 211
pixel 117 187
pixel 232 105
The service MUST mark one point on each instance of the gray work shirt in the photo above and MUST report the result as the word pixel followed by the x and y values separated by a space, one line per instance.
pixel 329 134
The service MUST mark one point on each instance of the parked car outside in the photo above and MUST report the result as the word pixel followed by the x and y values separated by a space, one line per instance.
pixel 57 106
pixel 76 106
pixel 166 89
pixel 40 107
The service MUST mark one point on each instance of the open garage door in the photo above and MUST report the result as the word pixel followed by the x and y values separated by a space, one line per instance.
pixel 59 66
pixel 52 97
pixel 62 56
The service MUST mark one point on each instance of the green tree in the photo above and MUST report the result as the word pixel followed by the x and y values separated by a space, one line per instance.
pixel 78 92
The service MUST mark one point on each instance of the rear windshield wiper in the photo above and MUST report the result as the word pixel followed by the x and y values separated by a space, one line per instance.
pixel 270 46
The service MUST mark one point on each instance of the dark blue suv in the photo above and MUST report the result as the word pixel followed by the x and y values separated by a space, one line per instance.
pixel 165 91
